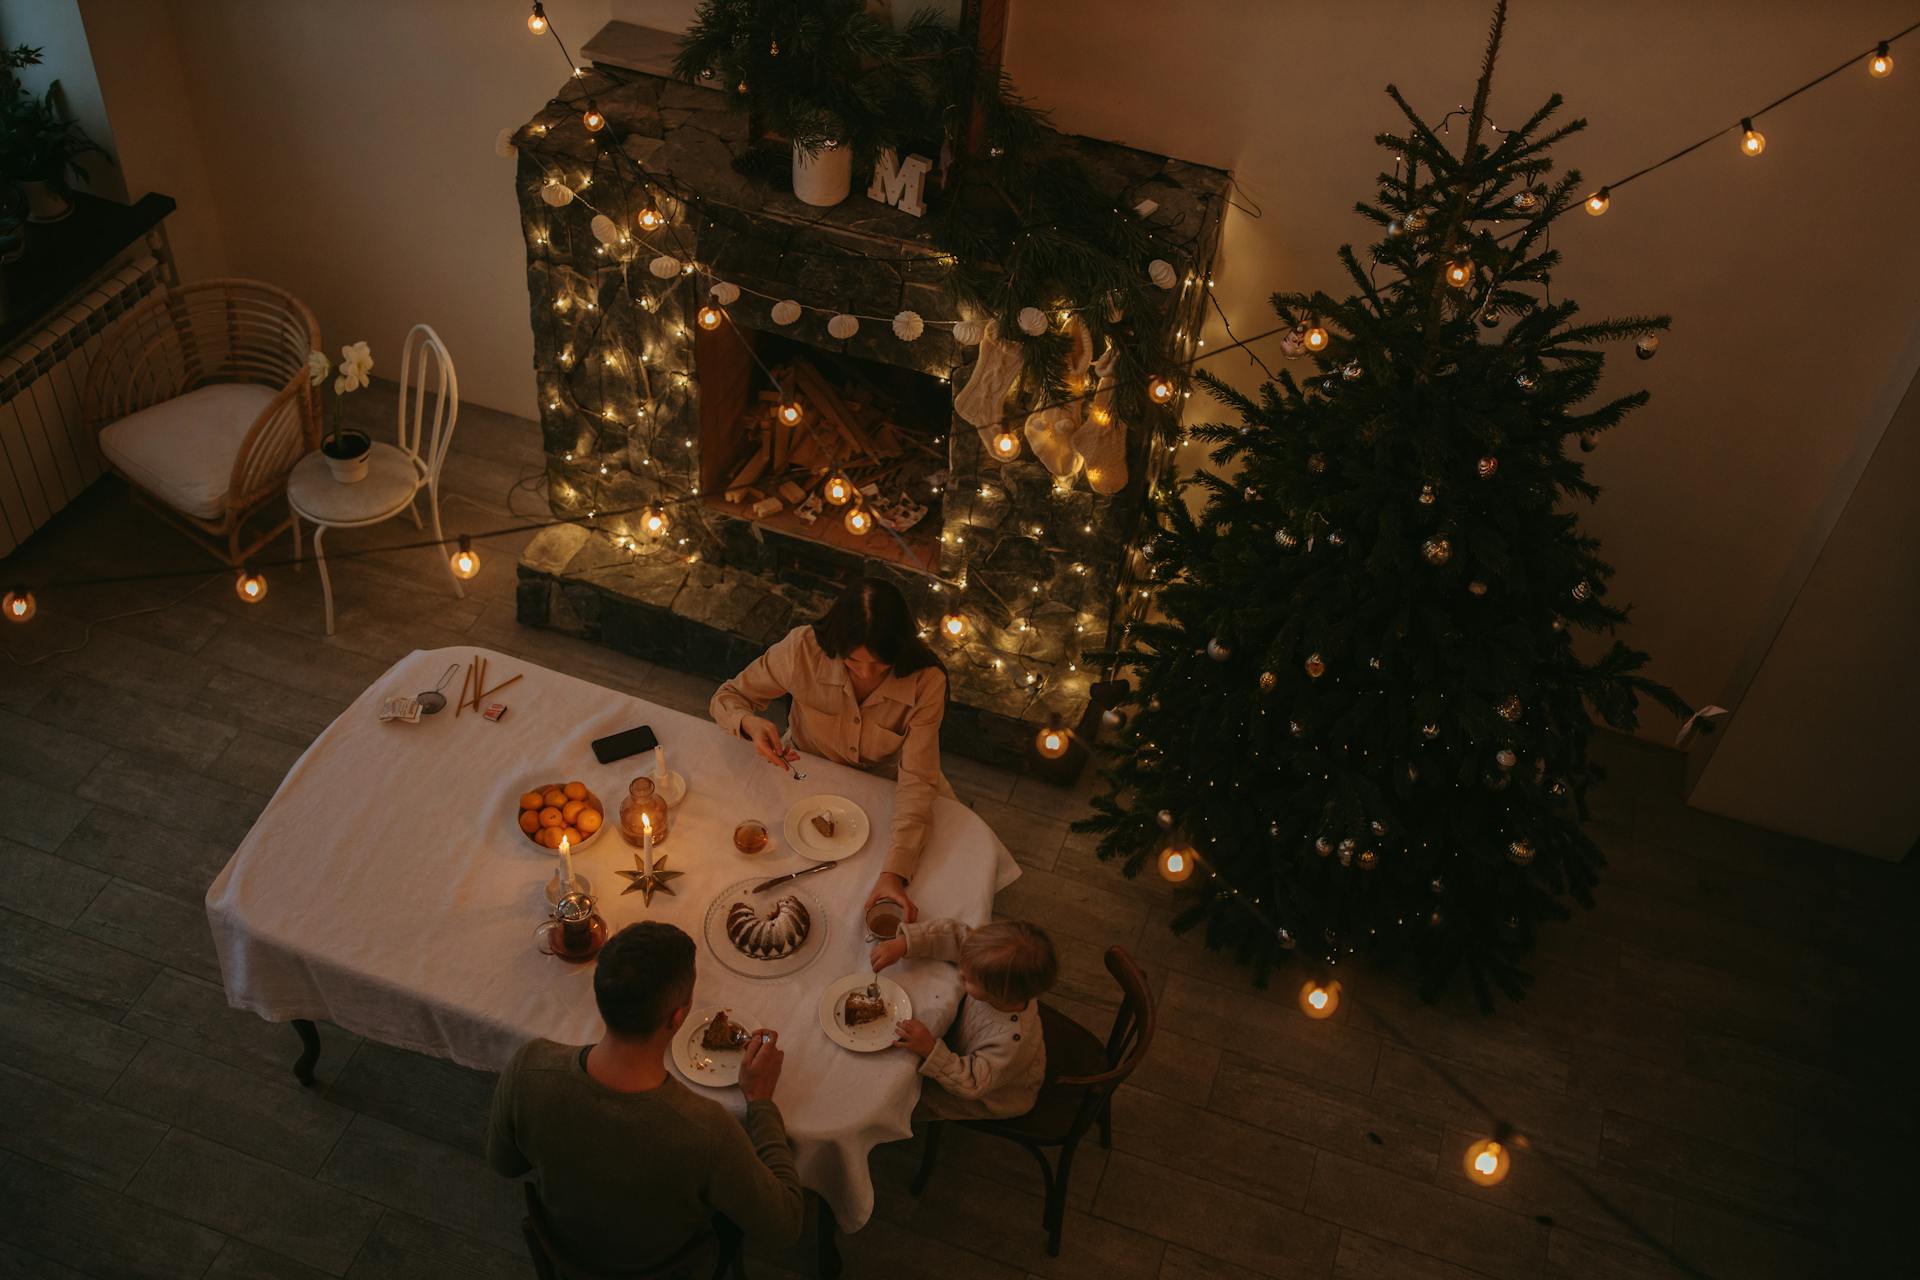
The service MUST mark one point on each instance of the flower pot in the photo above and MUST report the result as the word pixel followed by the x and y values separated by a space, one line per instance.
pixel 347 456
pixel 823 177
pixel 45 202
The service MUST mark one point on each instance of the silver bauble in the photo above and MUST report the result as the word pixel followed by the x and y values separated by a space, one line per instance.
pixel 1646 347
pixel 1217 651
pixel 1113 718
pixel 1165 819
pixel 1436 550
pixel 1504 758
pixel 1520 853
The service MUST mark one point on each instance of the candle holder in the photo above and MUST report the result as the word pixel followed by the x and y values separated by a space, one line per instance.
pixel 558 886
pixel 649 877
pixel 643 811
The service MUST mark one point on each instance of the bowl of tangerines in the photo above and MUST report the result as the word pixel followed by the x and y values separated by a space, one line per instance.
pixel 553 810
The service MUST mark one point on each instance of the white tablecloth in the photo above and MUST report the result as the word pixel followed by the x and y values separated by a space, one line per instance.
pixel 386 889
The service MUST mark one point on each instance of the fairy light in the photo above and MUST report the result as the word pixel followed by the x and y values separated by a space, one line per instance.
pixel 19 605
pixel 250 587
pixel 650 219
pixel 594 121
pixel 1160 388
pixel 953 625
pixel 859 521
pixel 1486 1161
pixel 1460 274
pixel 710 317
pixel 1318 1000
pixel 537 21
pixel 653 520
pixel 1599 202
pixel 1752 141
pixel 1880 65
pixel 1316 338
pixel 1053 739
pixel 791 413
pixel 1177 861
pixel 1006 445
pixel 838 490
pixel 465 561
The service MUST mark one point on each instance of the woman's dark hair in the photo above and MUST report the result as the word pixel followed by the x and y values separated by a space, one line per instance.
pixel 874 613
pixel 644 973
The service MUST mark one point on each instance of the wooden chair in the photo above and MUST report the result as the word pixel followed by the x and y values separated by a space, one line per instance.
pixel 1082 1075
pixel 718 1254
pixel 200 399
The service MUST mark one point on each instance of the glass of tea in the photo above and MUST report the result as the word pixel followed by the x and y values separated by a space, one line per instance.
pixel 884 919
pixel 750 837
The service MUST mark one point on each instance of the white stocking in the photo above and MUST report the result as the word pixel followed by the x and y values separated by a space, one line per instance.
pixel 1101 438
pixel 1050 432
pixel 982 402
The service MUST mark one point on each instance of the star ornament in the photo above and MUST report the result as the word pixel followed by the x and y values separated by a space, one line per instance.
pixel 646 883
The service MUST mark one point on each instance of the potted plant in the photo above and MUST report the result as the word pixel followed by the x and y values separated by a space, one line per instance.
pixel 39 146
pixel 346 451
pixel 830 79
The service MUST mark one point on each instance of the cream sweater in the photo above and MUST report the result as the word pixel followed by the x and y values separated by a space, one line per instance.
pixel 992 1063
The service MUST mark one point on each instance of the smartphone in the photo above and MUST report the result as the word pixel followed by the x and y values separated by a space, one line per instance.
pixel 618 746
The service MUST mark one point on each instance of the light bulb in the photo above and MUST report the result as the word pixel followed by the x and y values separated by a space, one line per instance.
pixel 1160 389
pixel 1006 445
pixel 1052 741
pixel 859 521
pixel 594 121
pixel 791 413
pixel 654 521
pixel 537 21
pixel 838 490
pixel 1880 65
pixel 1316 337
pixel 1752 141
pixel 1319 1000
pixel 1459 275
pixel 465 561
pixel 19 605
pixel 1597 202
pixel 953 624
pixel 250 587
pixel 1487 1161
pixel 1176 862
pixel 650 219
pixel 709 317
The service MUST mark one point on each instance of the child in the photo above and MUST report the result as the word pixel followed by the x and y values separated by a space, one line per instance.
pixel 993 1060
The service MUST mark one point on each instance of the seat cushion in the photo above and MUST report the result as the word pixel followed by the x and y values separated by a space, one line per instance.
pixel 389 486
pixel 182 450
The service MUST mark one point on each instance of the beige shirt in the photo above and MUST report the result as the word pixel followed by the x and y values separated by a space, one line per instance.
pixel 895 729
pixel 991 1063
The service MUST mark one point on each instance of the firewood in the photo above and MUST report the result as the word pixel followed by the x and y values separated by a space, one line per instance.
pixel 827 403
pixel 766 507
pixel 793 493
pixel 756 463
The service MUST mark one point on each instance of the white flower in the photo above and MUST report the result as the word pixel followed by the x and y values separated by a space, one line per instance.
pixel 356 361
pixel 318 367
pixel 340 385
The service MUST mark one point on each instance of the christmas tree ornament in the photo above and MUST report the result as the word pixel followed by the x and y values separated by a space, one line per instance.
pixel 1526 382
pixel 1528 201
pixel 1273 829
pixel 1250 493
pixel 1486 467
pixel 1599 202
pixel 1113 718
pixel 664 267
pixel 1490 319
pixel 1336 538
pixel 558 194
pixel 1285 937
pixel 1510 709
pixel 1396 226
pixel 1218 650
pixel 1161 272
pixel 1558 624
pixel 1413 773
pixel 1297 729
pixel 1346 853
pixel 1316 463
pixel 1520 853
pixel 1267 681
pixel 1436 550
pixel 1165 819
pixel 1426 495
pixel 843 326
pixel 1436 918
pixel 1153 703
pixel 1286 538
pixel 1430 731
pixel 1417 220
pixel 1368 859
pixel 1646 347
pixel 1032 321
pixel 1504 758
pixel 1293 343
pixel 1374 662
pixel 1323 846
pixel 982 400
pixel 1582 589
pixel 1589 441
pixel 1880 65
pixel 784 312
pixel 1752 141
pixel 1476 588
pixel 724 292
pixel 1379 827
pixel 1350 370
pixel 603 229
pixel 968 332
pixel 1316 666
pixel 1437 884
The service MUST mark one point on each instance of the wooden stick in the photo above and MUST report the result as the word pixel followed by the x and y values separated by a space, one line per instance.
pixel 461 705
pixel 497 688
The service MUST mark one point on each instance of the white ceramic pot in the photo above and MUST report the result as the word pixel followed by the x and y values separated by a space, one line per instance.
pixel 824 177
pixel 45 202
pixel 350 470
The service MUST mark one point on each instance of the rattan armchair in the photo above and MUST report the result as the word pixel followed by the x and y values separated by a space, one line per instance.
pixel 201 401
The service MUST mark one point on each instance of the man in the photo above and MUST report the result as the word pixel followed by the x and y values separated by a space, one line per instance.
pixel 631 1165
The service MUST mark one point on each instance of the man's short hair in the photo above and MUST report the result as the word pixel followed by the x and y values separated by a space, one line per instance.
pixel 645 972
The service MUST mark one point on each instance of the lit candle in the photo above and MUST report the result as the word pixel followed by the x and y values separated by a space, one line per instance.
pixel 646 840
pixel 566 864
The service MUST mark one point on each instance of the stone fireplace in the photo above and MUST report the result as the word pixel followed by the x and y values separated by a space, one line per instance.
pixel 650 417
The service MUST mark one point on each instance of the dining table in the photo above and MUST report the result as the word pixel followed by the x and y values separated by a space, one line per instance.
pixel 388 888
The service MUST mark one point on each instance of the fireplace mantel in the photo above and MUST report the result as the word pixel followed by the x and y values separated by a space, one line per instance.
pixel 1041 571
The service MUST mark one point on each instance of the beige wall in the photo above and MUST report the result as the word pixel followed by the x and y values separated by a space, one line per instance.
pixel 348 150
pixel 54 27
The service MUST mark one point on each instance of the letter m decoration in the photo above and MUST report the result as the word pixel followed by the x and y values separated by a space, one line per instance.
pixel 900 183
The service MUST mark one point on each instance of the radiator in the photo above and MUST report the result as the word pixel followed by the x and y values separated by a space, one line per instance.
pixel 47 458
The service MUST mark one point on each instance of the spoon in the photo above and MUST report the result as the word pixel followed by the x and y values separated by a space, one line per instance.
pixel 433 700
pixel 786 744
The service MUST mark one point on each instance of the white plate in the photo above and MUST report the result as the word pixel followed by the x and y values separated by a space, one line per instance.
pixel 739 961
pixel 868 1037
pixel 713 1068
pixel 851 828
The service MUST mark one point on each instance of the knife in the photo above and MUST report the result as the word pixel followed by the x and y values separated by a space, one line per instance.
pixel 765 885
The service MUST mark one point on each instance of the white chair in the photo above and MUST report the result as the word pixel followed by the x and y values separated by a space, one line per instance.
pixel 395 476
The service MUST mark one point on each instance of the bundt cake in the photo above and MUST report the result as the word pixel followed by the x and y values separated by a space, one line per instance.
pixel 772 936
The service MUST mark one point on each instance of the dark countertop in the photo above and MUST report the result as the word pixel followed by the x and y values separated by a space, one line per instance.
pixel 62 256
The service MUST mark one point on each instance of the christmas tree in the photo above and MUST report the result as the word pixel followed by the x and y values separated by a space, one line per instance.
pixel 1358 708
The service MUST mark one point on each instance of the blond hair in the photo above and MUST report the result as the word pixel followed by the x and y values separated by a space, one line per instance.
pixel 1012 961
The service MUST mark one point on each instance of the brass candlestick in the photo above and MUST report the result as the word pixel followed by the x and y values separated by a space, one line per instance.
pixel 645 880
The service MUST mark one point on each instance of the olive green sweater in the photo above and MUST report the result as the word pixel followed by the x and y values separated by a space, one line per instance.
pixel 629 1178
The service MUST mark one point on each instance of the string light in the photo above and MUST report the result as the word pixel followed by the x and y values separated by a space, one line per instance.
pixel 1318 1000
pixel 650 219
pixel 1598 202
pixel 859 521
pixel 1460 274
pixel 250 587
pixel 537 21
pixel 592 118
pixel 1006 445
pixel 654 521
pixel 19 605
pixel 709 317
pixel 1752 141
pixel 1176 861
pixel 1160 388
pixel 1487 1161
pixel 1316 339
pixel 838 490
pixel 465 561
pixel 1053 739
pixel 791 413
pixel 954 625
pixel 1880 65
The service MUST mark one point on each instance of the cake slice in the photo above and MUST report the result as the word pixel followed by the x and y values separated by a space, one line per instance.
pixel 723 1033
pixel 865 1004
pixel 823 823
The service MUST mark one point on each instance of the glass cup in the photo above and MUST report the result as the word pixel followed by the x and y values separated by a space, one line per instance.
pixel 884 919
pixel 750 837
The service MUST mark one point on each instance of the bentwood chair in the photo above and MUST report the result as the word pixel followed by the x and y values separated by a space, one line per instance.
pixel 1082 1075
pixel 717 1255
pixel 200 401
pixel 395 476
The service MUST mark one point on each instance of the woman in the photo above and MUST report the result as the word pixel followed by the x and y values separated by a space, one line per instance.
pixel 866 692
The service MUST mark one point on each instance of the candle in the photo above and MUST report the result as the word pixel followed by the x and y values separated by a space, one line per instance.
pixel 566 863
pixel 646 839
pixel 660 765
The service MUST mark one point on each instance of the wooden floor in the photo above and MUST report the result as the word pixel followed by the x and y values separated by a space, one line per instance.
pixel 1715 1061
